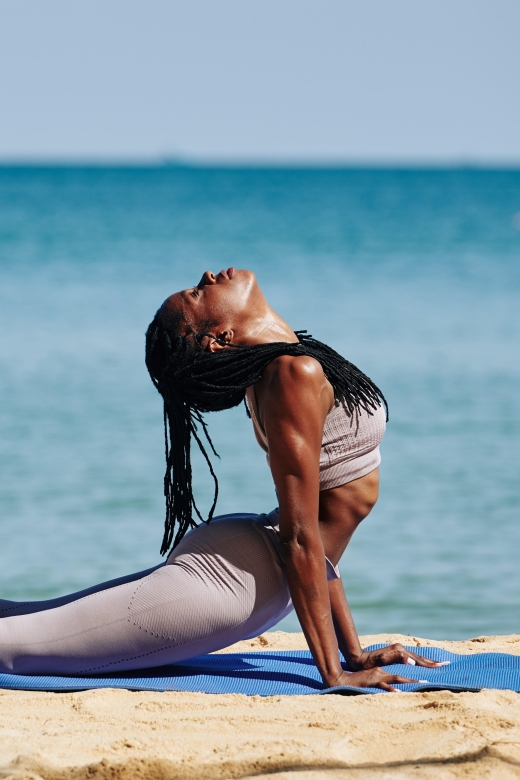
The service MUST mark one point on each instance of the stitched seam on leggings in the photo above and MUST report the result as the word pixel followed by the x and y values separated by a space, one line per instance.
pixel 136 614
pixel 269 547
pixel 100 625
pixel 230 628
pixel 76 601
pixel 16 606
pixel 214 549
pixel 124 660
pixel 67 636
pixel 78 633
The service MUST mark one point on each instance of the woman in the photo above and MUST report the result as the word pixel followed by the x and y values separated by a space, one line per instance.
pixel 320 421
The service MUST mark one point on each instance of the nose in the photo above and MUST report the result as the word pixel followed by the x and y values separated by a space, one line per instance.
pixel 207 278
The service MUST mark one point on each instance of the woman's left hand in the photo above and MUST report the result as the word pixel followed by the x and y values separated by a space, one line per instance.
pixel 393 654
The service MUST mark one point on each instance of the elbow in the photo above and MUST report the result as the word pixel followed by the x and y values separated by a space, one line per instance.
pixel 300 547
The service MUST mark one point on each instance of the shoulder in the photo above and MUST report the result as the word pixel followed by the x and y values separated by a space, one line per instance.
pixel 290 370
pixel 299 380
pixel 294 394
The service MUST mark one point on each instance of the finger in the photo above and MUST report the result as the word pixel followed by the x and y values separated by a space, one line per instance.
pixel 393 656
pixel 398 679
pixel 407 657
pixel 385 687
pixel 420 660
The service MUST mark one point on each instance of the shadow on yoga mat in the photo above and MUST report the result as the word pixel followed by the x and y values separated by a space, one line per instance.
pixel 282 673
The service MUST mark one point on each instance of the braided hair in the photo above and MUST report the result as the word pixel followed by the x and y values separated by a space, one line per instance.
pixel 193 381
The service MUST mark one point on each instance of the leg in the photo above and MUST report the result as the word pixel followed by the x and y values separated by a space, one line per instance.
pixel 11 608
pixel 224 582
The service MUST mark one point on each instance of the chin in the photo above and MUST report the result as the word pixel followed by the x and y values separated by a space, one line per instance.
pixel 247 275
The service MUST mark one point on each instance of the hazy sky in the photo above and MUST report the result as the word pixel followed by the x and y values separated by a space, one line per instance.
pixel 392 80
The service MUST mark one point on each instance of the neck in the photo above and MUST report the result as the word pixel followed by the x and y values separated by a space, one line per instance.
pixel 268 328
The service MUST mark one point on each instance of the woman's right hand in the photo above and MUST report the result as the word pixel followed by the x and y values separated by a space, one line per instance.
pixel 371 678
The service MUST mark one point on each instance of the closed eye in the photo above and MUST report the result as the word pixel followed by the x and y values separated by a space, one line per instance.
pixel 195 292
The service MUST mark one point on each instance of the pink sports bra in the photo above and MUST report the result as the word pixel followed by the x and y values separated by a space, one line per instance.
pixel 350 443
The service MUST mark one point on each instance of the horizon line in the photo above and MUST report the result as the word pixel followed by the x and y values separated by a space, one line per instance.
pixel 184 161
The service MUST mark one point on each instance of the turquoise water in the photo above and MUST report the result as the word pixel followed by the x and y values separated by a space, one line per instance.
pixel 413 275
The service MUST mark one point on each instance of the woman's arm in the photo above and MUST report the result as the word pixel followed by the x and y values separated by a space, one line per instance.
pixel 295 402
pixel 344 627
pixel 295 399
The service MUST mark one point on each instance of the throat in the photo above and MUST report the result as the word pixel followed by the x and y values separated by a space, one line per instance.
pixel 271 328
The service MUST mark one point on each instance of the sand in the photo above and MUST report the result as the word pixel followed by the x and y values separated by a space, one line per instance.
pixel 120 735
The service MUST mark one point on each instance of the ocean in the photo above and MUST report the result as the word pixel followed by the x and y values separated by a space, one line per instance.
pixel 413 275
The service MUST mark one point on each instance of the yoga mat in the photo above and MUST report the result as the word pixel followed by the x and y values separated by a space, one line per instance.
pixel 282 673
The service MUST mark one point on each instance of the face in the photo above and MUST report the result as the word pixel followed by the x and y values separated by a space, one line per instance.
pixel 228 300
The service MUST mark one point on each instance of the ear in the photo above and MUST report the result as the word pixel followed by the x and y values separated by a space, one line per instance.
pixel 224 338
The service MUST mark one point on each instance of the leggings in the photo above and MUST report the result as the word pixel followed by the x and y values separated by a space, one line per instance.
pixel 224 582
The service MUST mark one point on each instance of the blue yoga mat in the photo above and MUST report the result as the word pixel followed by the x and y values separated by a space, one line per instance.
pixel 283 673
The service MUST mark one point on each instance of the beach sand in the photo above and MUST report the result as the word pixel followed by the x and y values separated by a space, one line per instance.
pixel 123 735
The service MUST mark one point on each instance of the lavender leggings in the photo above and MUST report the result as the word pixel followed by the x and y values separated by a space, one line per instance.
pixel 224 582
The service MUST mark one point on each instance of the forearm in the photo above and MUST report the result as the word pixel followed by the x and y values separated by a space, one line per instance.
pixel 344 627
pixel 307 578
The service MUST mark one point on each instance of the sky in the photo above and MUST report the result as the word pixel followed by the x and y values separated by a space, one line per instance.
pixel 259 81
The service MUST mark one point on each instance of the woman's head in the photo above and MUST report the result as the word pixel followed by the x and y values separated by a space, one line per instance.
pixel 205 346
pixel 224 312
pixel 222 309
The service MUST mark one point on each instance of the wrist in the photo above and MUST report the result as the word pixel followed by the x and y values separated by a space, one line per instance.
pixel 330 670
pixel 330 679
pixel 355 659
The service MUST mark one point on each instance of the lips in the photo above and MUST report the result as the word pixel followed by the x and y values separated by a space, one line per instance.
pixel 228 274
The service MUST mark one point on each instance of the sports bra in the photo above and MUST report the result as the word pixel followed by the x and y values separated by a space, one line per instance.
pixel 350 443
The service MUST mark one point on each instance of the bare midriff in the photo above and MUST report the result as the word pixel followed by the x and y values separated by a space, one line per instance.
pixel 341 511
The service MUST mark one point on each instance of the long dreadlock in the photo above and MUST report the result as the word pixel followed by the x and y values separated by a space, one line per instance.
pixel 193 381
